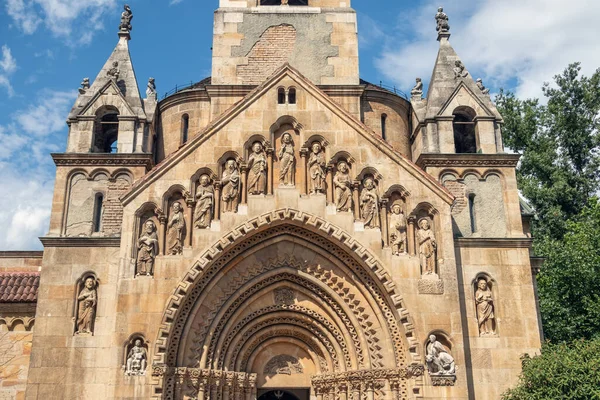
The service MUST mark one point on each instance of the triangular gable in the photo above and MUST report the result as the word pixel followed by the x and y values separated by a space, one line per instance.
pixel 110 84
pixel 463 87
pixel 287 71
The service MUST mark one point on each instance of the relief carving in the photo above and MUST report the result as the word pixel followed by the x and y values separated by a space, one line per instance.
pixel 86 307
pixel 439 360
pixel 485 308
pixel 114 72
pixel 427 247
pixel 231 186
pixel 285 296
pixel 398 237
pixel 283 365
pixel 205 199
pixel 343 187
pixel 316 168
pixel 287 161
pixel 369 204
pixel 460 70
pixel 147 249
pixel 137 359
pixel 175 230
pixel 257 170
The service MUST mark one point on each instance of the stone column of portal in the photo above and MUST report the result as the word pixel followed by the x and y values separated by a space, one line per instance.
pixel 162 230
pixel 343 391
pixel 226 391
pixel 201 391
pixel 411 235
pixel 217 201
pixel 355 197
pixel 384 223
pixel 190 222
pixel 244 188
pixel 270 171
pixel 304 155
pixel 370 391
pixel 330 189
pixel 355 391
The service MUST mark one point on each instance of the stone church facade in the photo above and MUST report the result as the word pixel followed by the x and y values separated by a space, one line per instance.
pixel 283 229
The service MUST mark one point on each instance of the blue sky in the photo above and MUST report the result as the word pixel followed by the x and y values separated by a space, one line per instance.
pixel 48 46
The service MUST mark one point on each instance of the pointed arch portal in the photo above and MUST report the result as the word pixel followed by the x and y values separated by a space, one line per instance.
pixel 286 301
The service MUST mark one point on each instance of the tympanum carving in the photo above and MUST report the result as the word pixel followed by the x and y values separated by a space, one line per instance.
pixel 231 186
pixel 285 296
pixel 343 187
pixel 175 230
pixel 137 359
pixel 427 247
pixel 87 300
pixel 398 237
pixel 287 161
pixel 257 170
pixel 484 301
pixel 369 204
pixel 147 249
pixel 283 365
pixel 205 199
pixel 440 362
pixel 316 168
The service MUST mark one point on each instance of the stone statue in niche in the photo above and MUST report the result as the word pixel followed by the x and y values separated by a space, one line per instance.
pixel 114 72
pixel 442 21
pixel 316 168
pixel 418 89
pixel 485 308
pixel 287 161
pixel 460 70
pixel 257 170
pixel 86 307
pixel 126 18
pixel 439 361
pixel 151 88
pixel 369 204
pixel 147 249
pixel 343 187
pixel 137 359
pixel 175 230
pixel 205 199
pixel 231 186
pixel 481 87
pixel 427 247
pixel 398 238
pixel 85 86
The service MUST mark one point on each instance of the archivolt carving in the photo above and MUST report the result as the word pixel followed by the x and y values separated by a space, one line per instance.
pixel 298 224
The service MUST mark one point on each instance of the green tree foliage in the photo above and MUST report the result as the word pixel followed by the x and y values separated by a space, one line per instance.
pixel 560 144
pixel 568 284
pixel 565 372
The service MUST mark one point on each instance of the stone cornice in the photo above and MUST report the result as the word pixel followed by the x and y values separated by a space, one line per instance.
pixel 468 160
pixel 21 254
pixel 505 243
pixel 229 90
pixel 80 242
pixel 185 96
pixel 342 90
pixel 108 160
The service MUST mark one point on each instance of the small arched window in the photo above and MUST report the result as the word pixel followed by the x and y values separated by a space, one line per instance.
pixel 383 126
pixel 292 96
pixel 98 205
pixel 464 131
pixel 185 128
pixel 281 96
pixel 472 214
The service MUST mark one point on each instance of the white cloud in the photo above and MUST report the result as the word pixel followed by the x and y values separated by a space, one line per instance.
pixel 523 42
pixel 8 65
pixel 173 2
pixel 75 21
pixel 48 115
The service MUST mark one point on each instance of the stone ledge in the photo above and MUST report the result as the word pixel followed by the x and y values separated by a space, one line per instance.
pixel 468 160
pixel 494 242
pixel 104 159
pixel 21 254
pixel 80 242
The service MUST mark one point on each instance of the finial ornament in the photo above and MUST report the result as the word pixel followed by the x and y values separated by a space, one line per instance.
pixel 126 18
pixel 417 91
pixel 151 89
pixel 481 87
pixel 442 21
pixel 85 85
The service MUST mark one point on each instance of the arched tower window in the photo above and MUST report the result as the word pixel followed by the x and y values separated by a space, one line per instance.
pixel 281 96
pixel 383 126
pixel 98 204
pixel 464 130
pixel 278 2
pixel 292 96
pixel 106 130
pixel 185 127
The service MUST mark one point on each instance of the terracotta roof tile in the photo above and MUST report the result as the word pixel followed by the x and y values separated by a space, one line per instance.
pixel 19 287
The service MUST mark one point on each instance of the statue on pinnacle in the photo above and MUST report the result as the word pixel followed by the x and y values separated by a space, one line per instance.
pixel 442 21
pixel 126 18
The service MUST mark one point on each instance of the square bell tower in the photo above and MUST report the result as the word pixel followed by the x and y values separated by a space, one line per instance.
pixel 253 38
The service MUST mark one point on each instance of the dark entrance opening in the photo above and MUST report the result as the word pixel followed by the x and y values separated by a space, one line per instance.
pixel 279 394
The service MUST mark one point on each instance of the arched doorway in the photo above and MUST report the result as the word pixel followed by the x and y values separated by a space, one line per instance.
pixel 286 305
pixel 281 395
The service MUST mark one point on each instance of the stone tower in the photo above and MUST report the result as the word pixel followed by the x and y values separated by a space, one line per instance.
pixel 283 229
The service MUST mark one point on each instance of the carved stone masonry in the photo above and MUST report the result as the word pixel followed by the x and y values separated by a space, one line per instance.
pixel 87 300
pixel 417 91
pixel 151 88
pixel 287 161
pixel 205 201
pixel 317 168
pixel 176 230
pixel 343 187
pixel 230 182
pixel 85 86
pixel 427 247
pixel 398 226
pixel 440 364
pixel 369 204
pixel 257 170
pixel 137 359
pixel 484 301
pixel 147 249
pixel 481 87
pixel 114 72
pixel 441 19
pixel 284 296
pixel 283 365
pixel 126 18
pixel 460 70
